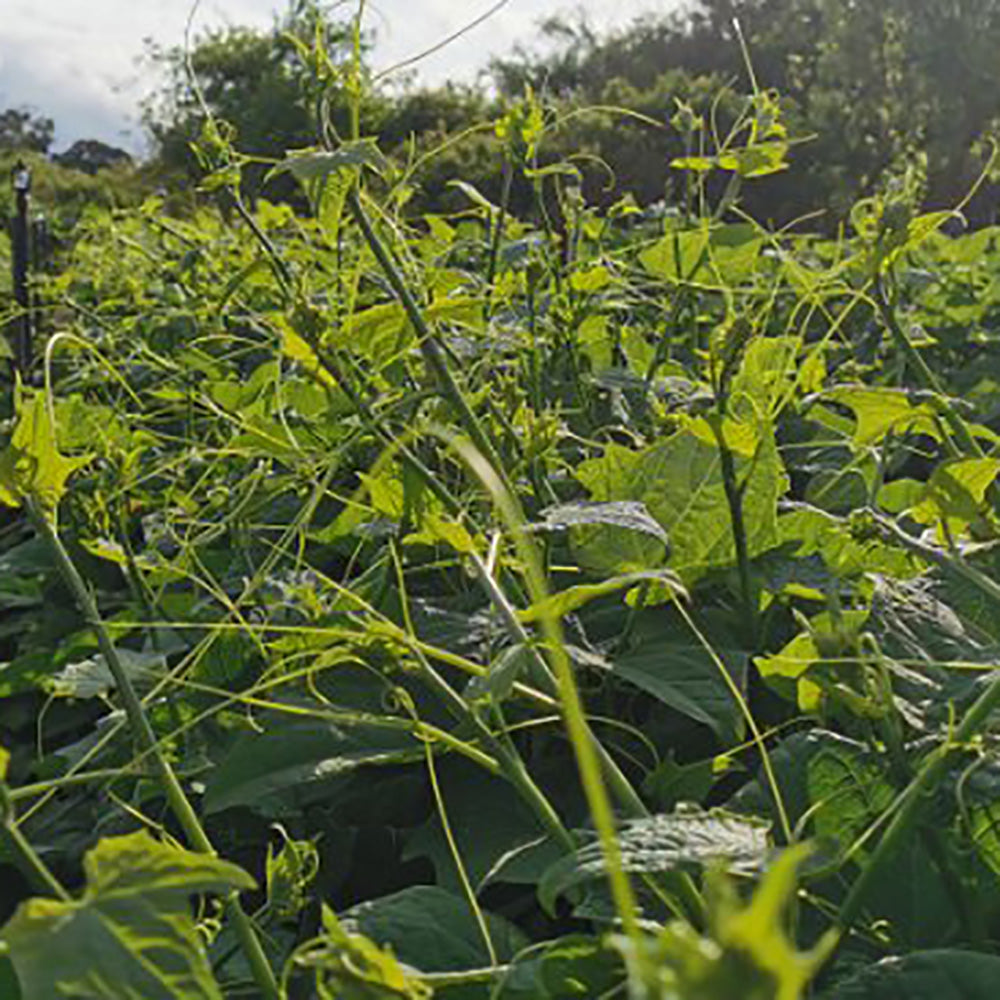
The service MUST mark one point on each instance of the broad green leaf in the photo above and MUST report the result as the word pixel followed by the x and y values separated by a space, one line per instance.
pixel 31 464
pixel 437 530
pixel 720 257
pixel 756 160
pixel 953 499
pixel 848 792
pixel 937 974
pixel 432 930
pixel 670 783
pixel 282 766
pixel 498 837
pixel 131 933
pixel 900 495
pixel 592 279
pixel 297 349
pixel 680 481
pixel 688 839
pixel 92 678
pixel 383 332
pixel 879 411
pixel 316 165
pixel 576 967
pixel 668 663
pixel 621 513
pixel 793 668
pixel 814 532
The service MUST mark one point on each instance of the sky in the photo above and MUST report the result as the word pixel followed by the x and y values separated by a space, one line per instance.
pixel 78 61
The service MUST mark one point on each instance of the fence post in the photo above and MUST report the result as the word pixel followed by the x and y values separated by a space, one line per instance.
pixel 20 261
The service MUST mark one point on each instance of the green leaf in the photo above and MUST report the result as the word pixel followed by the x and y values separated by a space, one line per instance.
pixel 31 464
pixel 937 974
pixel 815 532
pixel 592 279
pixel 576 967
pixel 433 930
pixel 719 257
pixel 793 668
pixel 573 598
pixel 282 766
pixel 747 952
pixel 680 481
pixel 756 160
pixel 351 967
pixel 92 678
pixel 953 499
pixel 667 663
pixel 290 870
pixel 879 411
pixel 131 934
pixel 317 165
pixel 475 196
pixel 689 839
pixel 621 513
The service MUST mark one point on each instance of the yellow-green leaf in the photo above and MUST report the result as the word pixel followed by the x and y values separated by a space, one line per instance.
pixel 31 465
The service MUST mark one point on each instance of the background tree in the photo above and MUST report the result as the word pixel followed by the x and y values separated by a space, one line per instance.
pixel 23 130
pixel 91 155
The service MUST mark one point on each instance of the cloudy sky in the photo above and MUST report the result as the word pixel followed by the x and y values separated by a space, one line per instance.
pixel 76 60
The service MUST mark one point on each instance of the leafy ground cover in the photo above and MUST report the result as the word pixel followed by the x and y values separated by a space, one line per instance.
pixel 596 604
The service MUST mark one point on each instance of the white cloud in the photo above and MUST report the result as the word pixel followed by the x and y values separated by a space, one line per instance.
pixel 78 63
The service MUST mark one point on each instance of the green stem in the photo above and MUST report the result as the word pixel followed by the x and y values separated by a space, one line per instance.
pixel 147 743
pixel 621 787
pixel 734 499
pixel 585 746
pixel 924 374
pixel 496 236
pixel 940 557
pixel 37 872
pixel 914 800
pixel 430 347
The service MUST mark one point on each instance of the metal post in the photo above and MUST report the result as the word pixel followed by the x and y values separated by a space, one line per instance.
pixel 41 250
pixel 20 259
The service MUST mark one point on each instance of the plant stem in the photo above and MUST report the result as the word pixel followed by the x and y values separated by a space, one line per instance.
pixel 430 347
pixel 927 378
pixel 927 780
pixel 28 861
pixel 734 499
pixel 147 743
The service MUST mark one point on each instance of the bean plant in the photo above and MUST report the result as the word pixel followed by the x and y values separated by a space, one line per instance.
pixel 600 603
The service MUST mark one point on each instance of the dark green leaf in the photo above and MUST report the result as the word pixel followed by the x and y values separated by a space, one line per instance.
pixel 687 839
pixel 131 934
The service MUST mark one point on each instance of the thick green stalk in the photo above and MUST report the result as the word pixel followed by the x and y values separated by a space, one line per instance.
pixel 734 499
pixel 933 771
pixel 914 800
pixel 927 378
pixel 585 746
pixel 146 741
pixel 430 347
pixel 622 789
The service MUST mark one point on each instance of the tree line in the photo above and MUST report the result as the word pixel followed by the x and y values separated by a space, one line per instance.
pixel 869 92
